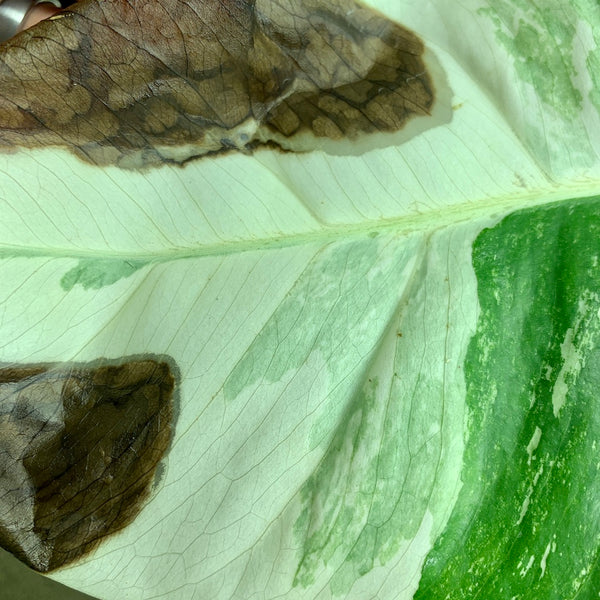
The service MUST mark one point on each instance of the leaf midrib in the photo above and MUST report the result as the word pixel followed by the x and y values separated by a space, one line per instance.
pixel 492 209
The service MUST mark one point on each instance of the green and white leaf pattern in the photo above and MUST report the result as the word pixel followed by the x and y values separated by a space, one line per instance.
pixel 388 362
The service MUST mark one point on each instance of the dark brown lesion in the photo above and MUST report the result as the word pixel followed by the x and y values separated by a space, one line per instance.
pixel 140 82
pixel 79 448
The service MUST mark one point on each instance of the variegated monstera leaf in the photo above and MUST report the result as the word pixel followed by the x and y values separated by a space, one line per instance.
pixel 301 299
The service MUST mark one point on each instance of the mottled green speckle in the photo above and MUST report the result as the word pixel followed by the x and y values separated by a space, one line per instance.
pixel 337 291
pixel 331 523
pixel 540 39
pixel 527 521
pixel 549 68
pixel 591 10
pixel 372 489
pixel 593 64
pixel 359 505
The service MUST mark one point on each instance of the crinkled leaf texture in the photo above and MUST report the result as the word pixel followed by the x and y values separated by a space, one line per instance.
pixel 388 362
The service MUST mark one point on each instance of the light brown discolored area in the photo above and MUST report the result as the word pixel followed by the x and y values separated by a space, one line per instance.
pixel 142 82
pixel 79 447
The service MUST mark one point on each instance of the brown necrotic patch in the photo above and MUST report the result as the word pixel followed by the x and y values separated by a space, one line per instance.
pixel 79 447
pixel 139 82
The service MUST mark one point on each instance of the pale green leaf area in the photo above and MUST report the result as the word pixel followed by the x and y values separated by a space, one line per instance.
pixel 388 362
pixel 95 273
pixel 535 60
